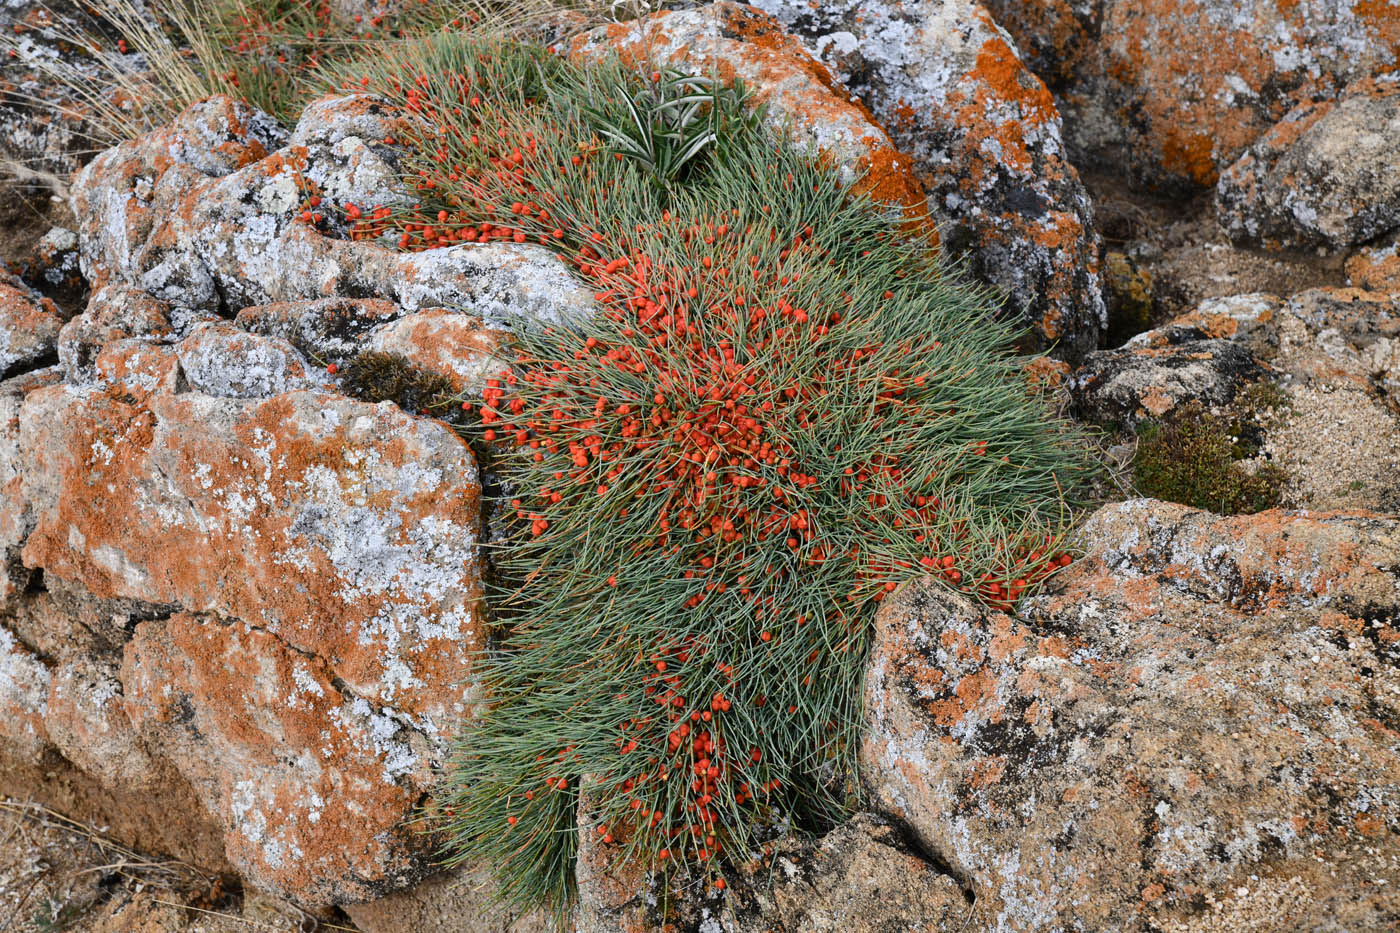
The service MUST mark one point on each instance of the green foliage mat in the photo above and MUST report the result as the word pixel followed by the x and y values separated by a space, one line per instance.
pixel 782 409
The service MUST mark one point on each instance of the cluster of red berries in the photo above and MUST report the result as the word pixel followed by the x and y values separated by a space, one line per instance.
pixel 767 449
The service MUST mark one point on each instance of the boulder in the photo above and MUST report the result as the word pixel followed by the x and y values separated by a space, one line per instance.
pixel 1174 91
pixel 984 135
pixel 231 585
pixel 348 529
pixel 1198 711
pixel 1323 176
pixel 1203 356
pixel 29 326
pixel 207 214
pixel 311 781
pixel 799 93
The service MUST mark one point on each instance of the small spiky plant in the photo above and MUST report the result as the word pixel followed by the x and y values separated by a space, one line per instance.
pixel 781 409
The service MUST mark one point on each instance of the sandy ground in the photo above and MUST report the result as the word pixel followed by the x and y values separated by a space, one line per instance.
pixel 58 875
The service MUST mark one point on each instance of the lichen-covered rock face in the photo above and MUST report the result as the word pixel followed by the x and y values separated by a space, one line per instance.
pixel 348 530
pixel 984 135
pixel 798 91
pixel 1324 175
pixel 1198 709
pixel 1174 91
pixel 1376 266
pixel 861 877
pixel 309 568
pixel 447 343
pixel 1205 356
pixel 29 326
pixel 311 781
pixel 206 214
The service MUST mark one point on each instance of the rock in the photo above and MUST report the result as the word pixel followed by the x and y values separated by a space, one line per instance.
pixel 984 135
pixel 49 85
pixel 1376 267
pixel 86 723
pixel 1198 708
pixel 445 342
pixel 797 90
pixel 115 312
pixel 862 877
pixel 24 698
pixel 439 905
pixel 1323 176
pixel 311 781
pixel 204 215
pixel 1202 356
pixel 1130 82
pixel 330 330
pixel 349 530
pixel 56 262
pixel 219 359
pixel 1338 433
pixel 256 594
pixel 16 519
pixel 29 326
pixel 1055 37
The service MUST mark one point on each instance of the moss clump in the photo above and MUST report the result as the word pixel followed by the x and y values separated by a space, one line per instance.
pixel 1194 457
pixel 374 376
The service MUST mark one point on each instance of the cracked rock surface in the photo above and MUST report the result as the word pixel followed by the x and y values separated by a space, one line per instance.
pixel 1198 704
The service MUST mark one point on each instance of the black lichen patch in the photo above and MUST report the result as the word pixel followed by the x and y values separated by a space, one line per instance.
pixel 374 376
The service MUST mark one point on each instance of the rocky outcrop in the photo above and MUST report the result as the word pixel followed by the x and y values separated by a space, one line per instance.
pixel 29 326
pixel 209 214
pixel 984 135
pixel 1323 176
pixel 1174 91
pixel 1198 711
pixel 226 585
pixel 799 93
pixel 312 571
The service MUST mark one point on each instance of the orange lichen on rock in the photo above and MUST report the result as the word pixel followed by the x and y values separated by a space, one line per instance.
pixel 796 89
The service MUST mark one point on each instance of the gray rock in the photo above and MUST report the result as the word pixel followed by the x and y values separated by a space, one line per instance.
pixel 29 326
pixel 1198 709
pixel 202 215
pixel 1206 356
pixel 1324 176
pixel 222 360
pixel 946 83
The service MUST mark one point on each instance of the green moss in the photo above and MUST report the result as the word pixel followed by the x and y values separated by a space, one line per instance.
pixel 1193 457
pixel 390 377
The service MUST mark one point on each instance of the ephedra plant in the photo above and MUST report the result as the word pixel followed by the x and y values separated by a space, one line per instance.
pixel 782 408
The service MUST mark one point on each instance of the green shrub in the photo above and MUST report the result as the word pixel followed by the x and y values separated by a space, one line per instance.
pixel 782 409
